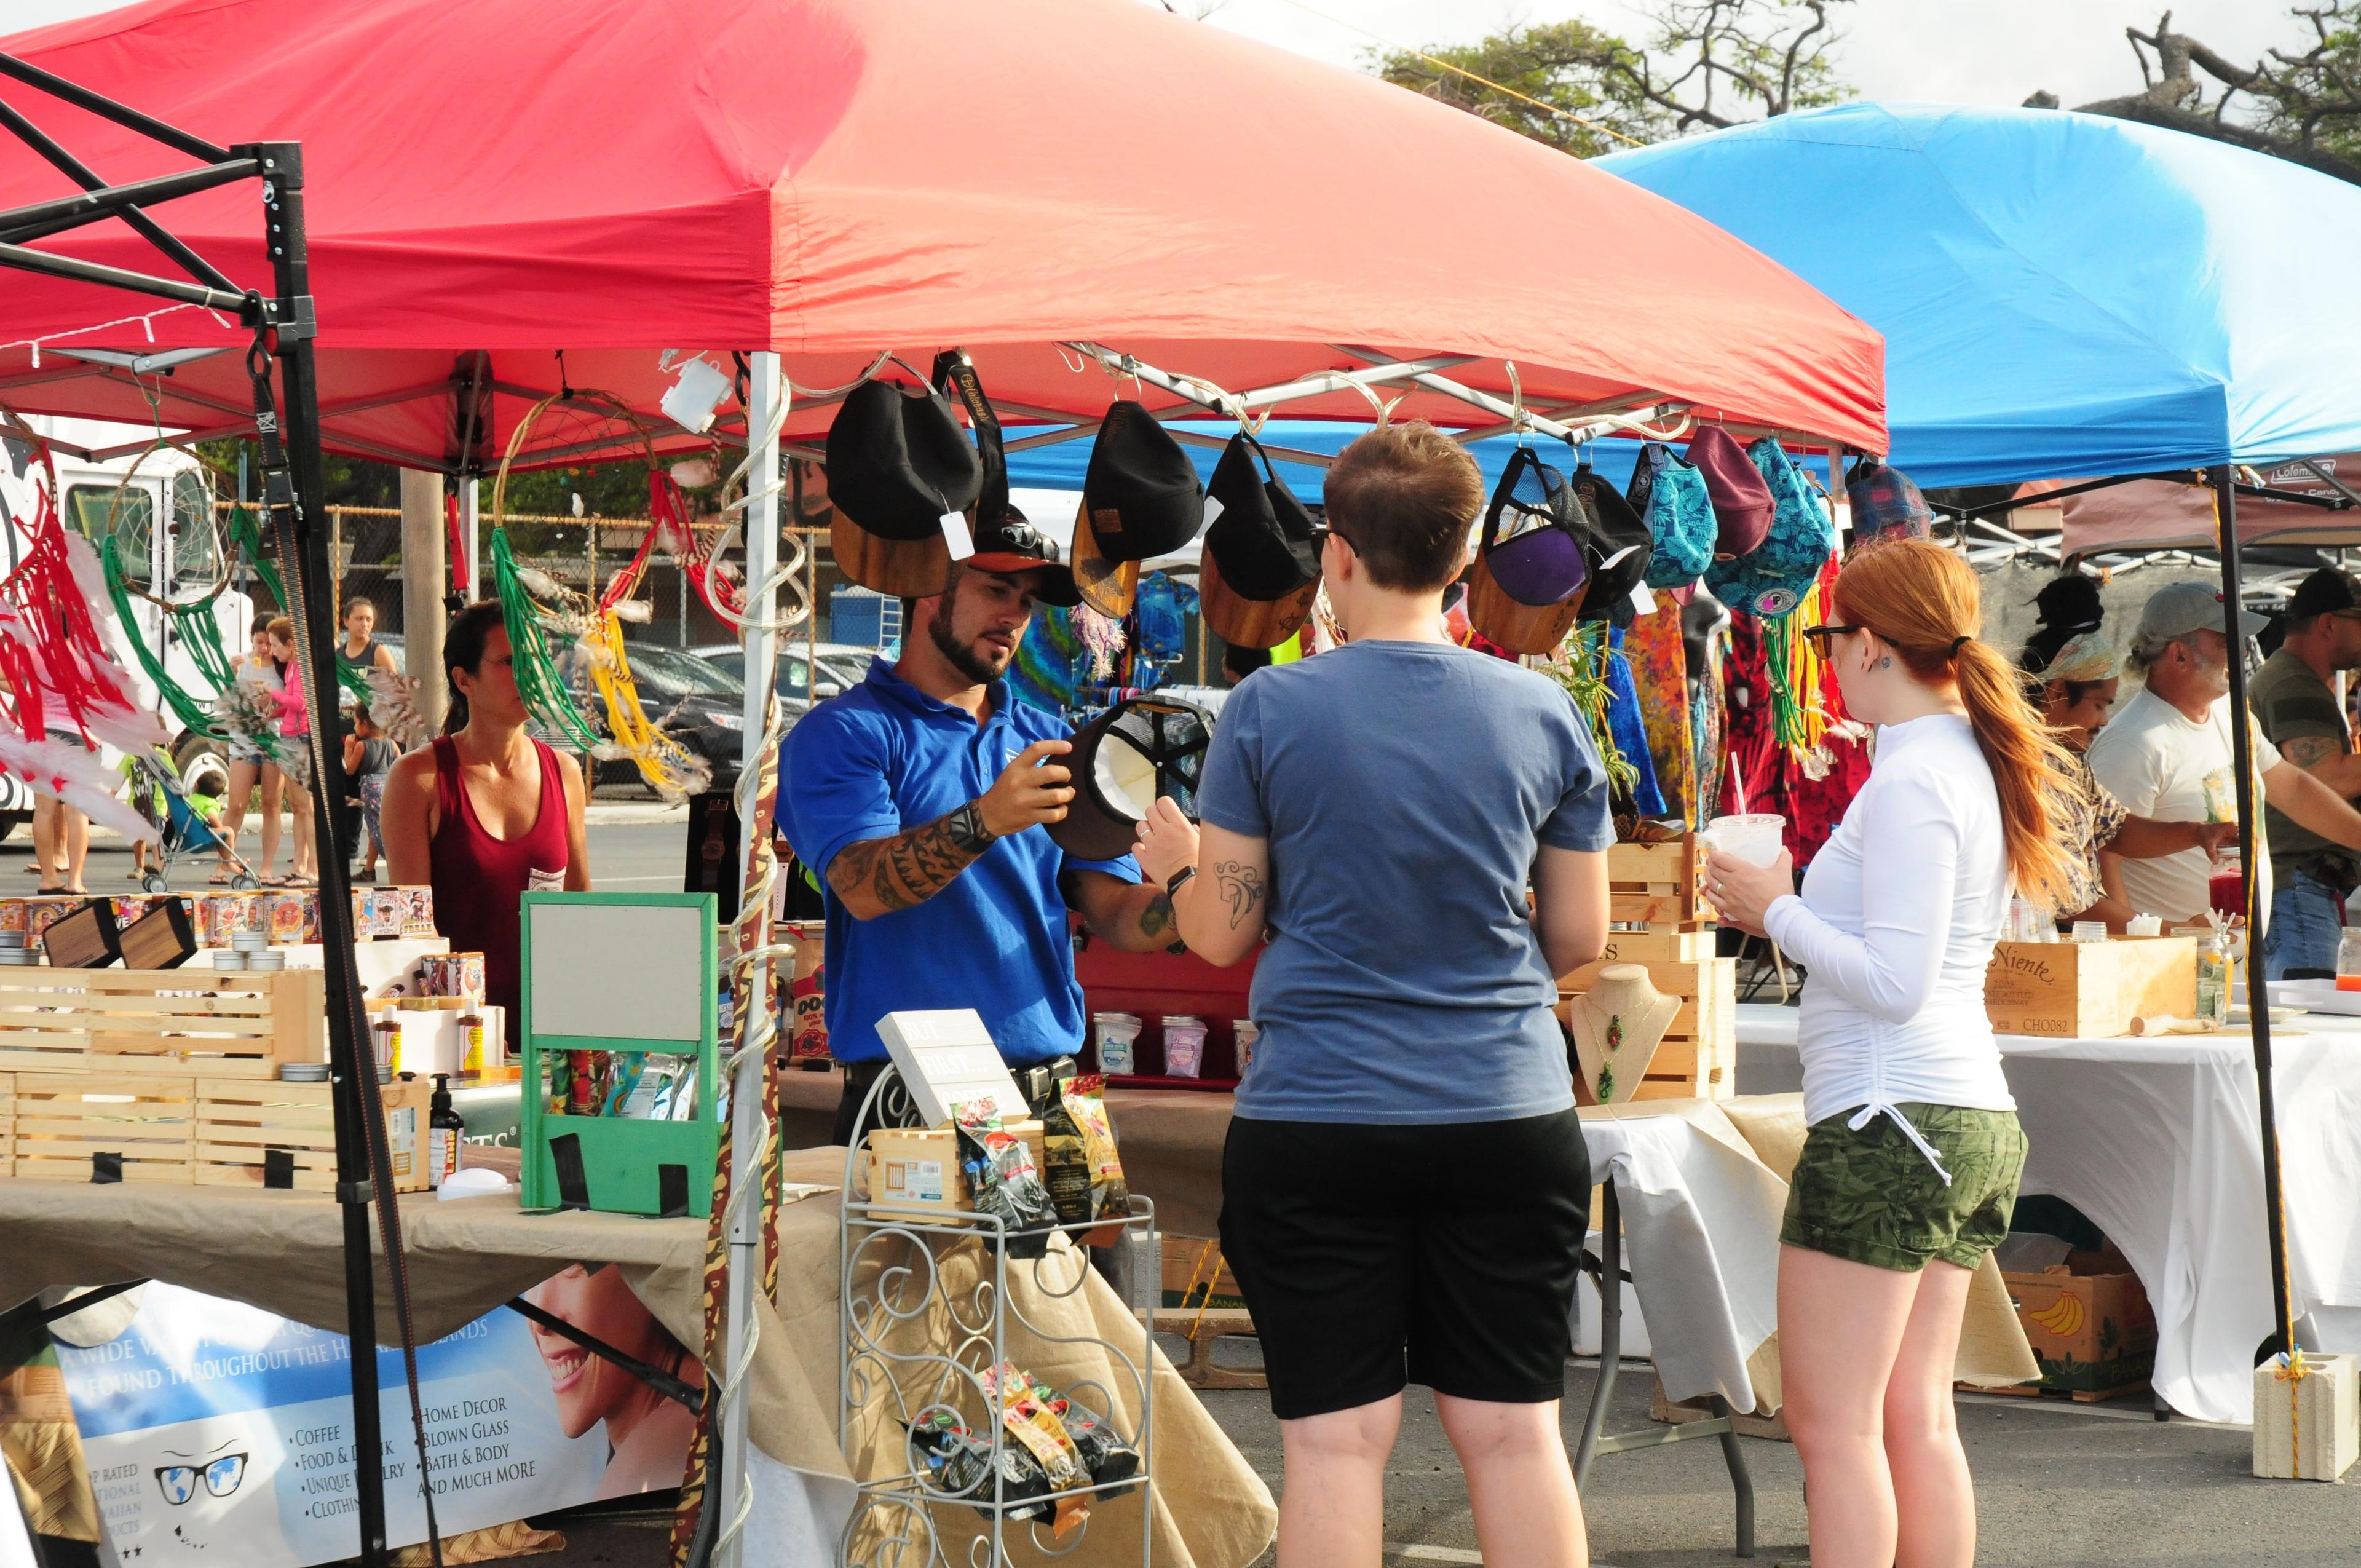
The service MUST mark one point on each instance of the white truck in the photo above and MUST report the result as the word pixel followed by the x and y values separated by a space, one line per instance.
pixel 161 510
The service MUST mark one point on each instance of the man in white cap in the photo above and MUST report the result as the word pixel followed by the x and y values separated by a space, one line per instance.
pixel 2166 755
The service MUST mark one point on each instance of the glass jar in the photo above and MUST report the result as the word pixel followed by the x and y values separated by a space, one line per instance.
pixel 2214 977
pixel 2348 960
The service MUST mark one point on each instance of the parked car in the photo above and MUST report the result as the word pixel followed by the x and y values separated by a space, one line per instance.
pixel 839 667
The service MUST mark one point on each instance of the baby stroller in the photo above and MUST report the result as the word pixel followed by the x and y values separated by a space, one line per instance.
pixel 158 793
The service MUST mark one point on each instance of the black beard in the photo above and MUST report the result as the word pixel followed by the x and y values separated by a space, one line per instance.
pixel 962 656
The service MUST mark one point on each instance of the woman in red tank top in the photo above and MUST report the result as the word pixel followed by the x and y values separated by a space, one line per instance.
pixel 487 814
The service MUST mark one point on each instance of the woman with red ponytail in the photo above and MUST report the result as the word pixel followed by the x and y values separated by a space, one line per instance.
pixel 1908 1176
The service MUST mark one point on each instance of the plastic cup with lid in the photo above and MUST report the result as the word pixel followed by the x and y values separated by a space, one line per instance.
pixel 1118 1039
pixel 1755 837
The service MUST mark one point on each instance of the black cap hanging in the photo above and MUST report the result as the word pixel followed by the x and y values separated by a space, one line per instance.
pixel 1260 568
pixel 898 462
pixel 1141 499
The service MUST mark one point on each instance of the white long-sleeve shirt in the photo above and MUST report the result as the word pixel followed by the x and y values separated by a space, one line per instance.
pixel 1896 924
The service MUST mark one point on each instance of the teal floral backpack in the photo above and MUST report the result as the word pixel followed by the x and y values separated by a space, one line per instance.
pixel 1670 492
pixel 1770 581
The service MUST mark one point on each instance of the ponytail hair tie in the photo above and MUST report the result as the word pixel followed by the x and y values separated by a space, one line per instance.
pixel 1957 643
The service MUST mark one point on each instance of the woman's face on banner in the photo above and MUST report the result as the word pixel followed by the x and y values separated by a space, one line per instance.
pixel 590 1388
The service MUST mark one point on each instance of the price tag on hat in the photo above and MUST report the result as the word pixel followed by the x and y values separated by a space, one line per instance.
pixel 956 535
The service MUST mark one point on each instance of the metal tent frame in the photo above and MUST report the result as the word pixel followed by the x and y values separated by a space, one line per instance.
pixel 287 421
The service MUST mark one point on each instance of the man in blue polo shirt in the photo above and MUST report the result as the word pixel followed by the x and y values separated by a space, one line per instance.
pixel 920 796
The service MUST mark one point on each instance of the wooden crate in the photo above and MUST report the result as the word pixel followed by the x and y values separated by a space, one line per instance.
pixel 63 1119
pixel 1661 887
pixel 1697 1058
pixel 2088 990
pixel 193 1020
pixel 238 1123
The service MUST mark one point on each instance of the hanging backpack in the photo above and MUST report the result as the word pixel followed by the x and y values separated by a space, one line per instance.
pixel 1771 580
pixel 1670 493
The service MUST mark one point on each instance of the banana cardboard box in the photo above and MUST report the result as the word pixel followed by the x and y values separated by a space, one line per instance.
pixel 2089 1322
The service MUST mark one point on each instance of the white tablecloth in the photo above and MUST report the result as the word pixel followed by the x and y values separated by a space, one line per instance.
pixel 1701 1241
pixel 2158 1142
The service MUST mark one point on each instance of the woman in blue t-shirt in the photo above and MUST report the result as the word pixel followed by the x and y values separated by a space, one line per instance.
pixel 1405 1189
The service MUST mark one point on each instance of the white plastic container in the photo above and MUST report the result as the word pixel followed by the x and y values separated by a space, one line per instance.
pixel 1247 1031
pixel 1118 1040
pixel 1184 1046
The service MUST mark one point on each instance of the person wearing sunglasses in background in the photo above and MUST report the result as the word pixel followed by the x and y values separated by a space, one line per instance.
pixel 1908 1175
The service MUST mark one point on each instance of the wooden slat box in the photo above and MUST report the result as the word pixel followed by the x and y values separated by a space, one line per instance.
pixel 2089 990
pixel 63 1119
pixel 238 1123
pixel 194 1021
pixel 1659 885
pixel 1697 1058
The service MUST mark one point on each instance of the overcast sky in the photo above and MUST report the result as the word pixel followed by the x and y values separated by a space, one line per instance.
pixel 1969 51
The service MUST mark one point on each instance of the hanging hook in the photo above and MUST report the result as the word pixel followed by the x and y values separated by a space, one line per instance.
pixel 1518 420
pixel 565 388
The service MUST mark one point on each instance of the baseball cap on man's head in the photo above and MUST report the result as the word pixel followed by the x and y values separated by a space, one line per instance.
pixel 1011 546
pixel 2183 607
pixel 2325 592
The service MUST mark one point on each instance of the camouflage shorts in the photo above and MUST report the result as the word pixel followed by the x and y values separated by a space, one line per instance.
pixel 1871 1196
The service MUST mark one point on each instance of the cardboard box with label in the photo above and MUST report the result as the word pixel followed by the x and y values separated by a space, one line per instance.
pixel 2089 1323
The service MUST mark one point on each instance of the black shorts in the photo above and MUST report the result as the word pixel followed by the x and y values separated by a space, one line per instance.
pixel 1440 1253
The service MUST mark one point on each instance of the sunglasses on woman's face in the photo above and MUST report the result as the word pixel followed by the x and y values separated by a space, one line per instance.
pixel 1822 634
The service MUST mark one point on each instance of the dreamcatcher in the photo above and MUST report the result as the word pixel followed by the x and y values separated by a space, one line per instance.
pixel 540 611
pixel 52 646
pixel 192 621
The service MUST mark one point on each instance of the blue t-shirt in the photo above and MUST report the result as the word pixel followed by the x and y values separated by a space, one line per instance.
pixel 884 757
pixel 1405 789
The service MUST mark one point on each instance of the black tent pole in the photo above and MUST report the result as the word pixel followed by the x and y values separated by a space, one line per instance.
pixel 355 1074
pixel 2225 503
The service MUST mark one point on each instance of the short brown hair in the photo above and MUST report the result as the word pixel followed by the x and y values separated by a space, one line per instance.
pixel 282 628
pixel 1404 497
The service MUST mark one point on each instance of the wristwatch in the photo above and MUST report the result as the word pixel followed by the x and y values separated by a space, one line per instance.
pixel 1173 883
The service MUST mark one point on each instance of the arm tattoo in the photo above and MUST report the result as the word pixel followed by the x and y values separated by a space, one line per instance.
pixel 1240 887
pixel 2308 751
pixel 911 867
pixel 1157 918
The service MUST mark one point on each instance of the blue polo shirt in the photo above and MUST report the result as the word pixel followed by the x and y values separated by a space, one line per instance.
pixel 884 757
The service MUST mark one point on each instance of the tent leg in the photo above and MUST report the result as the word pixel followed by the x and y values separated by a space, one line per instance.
pixel 765 387
pixel 2225 498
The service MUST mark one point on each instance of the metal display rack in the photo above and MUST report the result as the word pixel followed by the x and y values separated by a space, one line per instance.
pixel 903 1250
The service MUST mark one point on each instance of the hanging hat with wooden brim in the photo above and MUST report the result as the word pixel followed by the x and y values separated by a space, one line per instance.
pixel 1526 588
pixel 1741 500
pixel 897 464
pixel 1141 499
pixel 1260 568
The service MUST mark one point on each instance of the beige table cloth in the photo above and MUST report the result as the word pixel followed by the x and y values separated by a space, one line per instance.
pixel 282 1252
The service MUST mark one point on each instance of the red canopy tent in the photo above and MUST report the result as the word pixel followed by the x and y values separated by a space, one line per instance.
pixel 1068 189
pixel 831 180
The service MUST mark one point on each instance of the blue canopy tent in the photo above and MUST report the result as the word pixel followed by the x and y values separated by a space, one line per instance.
pixel 2062 295
pixel 2066 296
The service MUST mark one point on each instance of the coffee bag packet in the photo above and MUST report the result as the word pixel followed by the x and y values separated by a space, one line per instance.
pixel 1001 1178
pixel 1066 1165
pixel 1084 1100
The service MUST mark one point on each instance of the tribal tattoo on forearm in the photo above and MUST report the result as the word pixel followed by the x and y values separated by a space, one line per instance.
pixel 1242 889
pixel 911 867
